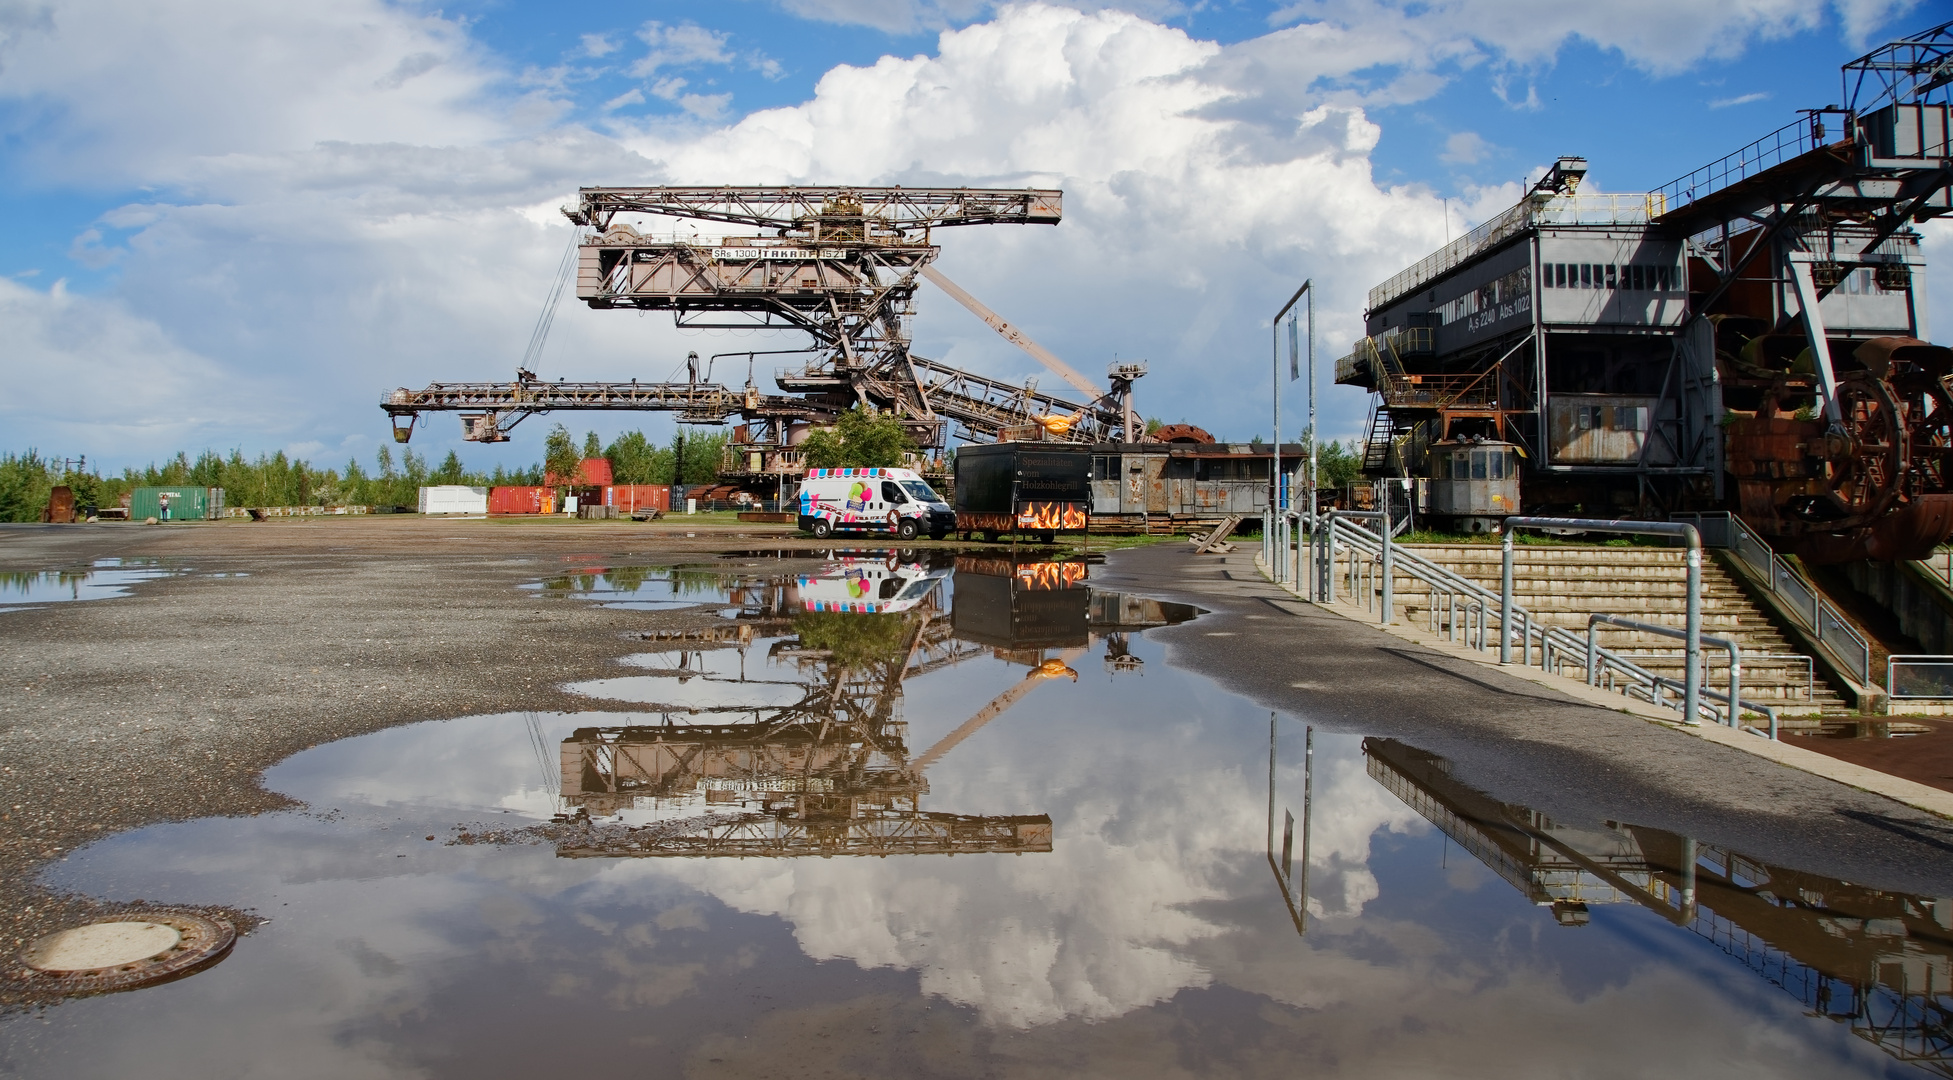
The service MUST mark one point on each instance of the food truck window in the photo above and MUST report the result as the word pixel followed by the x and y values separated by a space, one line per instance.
pixel 891 494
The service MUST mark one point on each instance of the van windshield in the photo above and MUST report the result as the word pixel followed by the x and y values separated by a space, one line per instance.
pixel 920 491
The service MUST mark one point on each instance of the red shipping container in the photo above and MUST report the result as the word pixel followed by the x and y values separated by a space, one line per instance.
pixel 521 500
pixel 629 497
pixel 593 472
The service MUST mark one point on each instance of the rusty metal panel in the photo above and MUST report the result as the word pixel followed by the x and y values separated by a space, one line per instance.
pixel 1599 428
pixel 1152 478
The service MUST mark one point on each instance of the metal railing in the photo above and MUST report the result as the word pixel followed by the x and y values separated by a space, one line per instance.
pixel 1919 677
pixel 1791 140
pixel 1816 614
pixel 1939 564
pixel 1591 209
pixel 1346 559
pixel 1733 700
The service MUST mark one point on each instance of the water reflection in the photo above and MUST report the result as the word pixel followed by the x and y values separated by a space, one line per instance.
pixel 639 588
pixel 104 579
pixel 1879 962
pixel 824 767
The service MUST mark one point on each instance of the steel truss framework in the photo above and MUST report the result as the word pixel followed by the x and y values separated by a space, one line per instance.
pixel 841 267
pixel 1836 435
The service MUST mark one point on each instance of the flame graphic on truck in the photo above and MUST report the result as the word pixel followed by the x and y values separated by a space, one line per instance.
pixel 1051 515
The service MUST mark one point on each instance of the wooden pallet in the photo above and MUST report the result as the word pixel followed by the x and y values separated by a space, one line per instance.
pixel 1213 541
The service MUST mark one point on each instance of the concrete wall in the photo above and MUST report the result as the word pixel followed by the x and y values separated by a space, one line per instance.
pixel 1923 605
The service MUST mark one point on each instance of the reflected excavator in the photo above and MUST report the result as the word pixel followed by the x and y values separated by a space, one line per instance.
pixel 831 773
pixel 1878 961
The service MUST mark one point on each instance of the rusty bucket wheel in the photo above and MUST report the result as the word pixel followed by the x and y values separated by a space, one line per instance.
pixel 1928 409
pixel 1868 453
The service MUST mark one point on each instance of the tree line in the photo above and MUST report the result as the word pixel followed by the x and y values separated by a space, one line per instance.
pixel 859 438
pixel 278 479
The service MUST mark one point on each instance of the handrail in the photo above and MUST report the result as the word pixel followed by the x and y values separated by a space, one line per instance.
pixel 1735 699
pixel 1813 611
pixel 1792 140
pixel 1691 560
pixel 1554 642
pixel 1556 645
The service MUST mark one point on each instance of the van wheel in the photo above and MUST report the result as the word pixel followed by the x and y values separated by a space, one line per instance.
pixel 938 534
pixel 907 529
pixel 822 529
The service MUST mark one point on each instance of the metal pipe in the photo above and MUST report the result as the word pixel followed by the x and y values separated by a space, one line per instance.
pixel 1735 659
pixel 1334 518
pixel 1691 559
pixel 1389 614
pixel 1505 598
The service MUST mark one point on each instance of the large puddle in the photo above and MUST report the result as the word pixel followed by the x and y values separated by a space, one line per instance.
pixel 102 580
pixel 901 819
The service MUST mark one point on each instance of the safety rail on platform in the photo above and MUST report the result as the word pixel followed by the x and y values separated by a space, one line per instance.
pixel 1919 677
pixel 1817 615
pixel 1792 140
pixel 1940 564
pixel 1342 557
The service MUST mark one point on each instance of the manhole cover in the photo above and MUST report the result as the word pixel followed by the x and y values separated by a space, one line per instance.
pixel 121 952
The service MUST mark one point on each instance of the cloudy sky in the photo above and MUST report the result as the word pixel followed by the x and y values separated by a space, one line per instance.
pixel 236 225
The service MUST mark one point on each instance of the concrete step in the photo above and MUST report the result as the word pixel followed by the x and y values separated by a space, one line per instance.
pixel 1563 586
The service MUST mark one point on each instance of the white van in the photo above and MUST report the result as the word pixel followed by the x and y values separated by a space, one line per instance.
pixel 869 585
pixel 897 502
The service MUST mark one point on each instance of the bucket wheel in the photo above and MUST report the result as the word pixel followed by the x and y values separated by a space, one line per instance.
pixel 1865 472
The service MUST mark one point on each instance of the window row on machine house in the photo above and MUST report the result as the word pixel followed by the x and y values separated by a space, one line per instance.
pixel 1487 297
pixel 1632 277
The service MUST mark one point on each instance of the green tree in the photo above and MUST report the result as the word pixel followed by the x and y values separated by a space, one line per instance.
pixel 1338 464
pixel 852 639
pixel 450 472
pixel 633 460
pixel 696 457
pixel 560 457
pixel 25 481
pixel 593 447
pixel 858 439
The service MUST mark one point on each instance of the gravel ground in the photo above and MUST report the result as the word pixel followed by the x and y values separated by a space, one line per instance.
pixel 169 703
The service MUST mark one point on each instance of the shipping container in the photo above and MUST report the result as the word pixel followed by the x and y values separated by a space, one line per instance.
pixel 176 503
pixel 453 499
pixel 628 498
pixel 590 472
pixel 521 500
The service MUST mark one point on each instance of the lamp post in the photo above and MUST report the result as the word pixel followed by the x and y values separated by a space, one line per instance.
pixel 1275 360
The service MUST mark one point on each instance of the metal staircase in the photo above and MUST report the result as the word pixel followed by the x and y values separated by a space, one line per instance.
pixel 1384 431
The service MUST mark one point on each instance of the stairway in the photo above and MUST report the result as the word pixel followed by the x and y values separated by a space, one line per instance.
pixel 1376 449
pixel 1562 585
